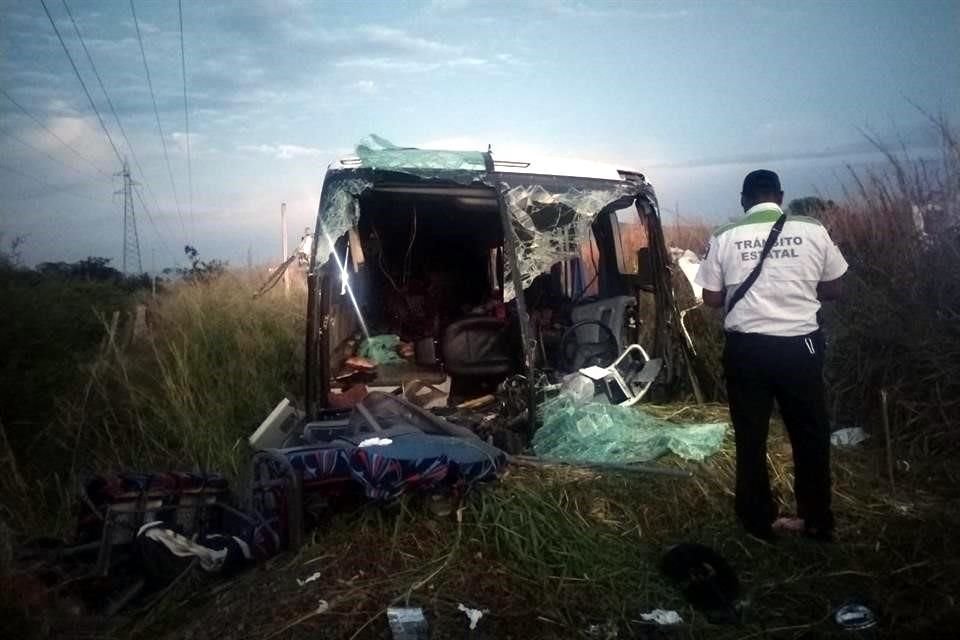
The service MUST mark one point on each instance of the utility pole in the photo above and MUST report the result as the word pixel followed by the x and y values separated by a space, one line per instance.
pixel 283 246
pixel 131 240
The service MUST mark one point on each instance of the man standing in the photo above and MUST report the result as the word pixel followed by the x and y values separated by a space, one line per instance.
pixel 769 271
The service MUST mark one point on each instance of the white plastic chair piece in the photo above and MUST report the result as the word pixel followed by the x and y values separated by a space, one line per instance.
pixel 611 375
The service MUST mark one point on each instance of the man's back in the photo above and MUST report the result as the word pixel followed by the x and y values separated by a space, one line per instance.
pixel 783 300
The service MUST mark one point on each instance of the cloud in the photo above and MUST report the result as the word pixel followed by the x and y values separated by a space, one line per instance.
pixel 363 86
pixel 401 65
pixel 448 5
pixel 83 134
pixel 916 138
pixel 581 10
pixel 288 151
pixel 180 140
pixel 145 27
pixel 402 41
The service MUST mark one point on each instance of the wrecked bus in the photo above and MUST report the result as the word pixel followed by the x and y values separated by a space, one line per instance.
pixel 483 270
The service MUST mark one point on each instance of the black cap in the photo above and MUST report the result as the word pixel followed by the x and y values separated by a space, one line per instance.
pixel 761 181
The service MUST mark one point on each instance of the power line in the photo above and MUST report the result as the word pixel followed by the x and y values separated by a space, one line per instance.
pixel 82 83
pixel 106 95
pixel 7 132
pixel 186 117
pixel 48 189
pixel 103 88
pixel 51 133
pixel 156 112
pixel 54 190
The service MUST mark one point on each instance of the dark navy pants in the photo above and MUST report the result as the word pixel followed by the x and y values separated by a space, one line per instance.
pixel 760 369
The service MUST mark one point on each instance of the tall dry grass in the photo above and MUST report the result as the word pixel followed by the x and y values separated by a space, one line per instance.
pixel 184 394
pixel 211 364
pixel 897 328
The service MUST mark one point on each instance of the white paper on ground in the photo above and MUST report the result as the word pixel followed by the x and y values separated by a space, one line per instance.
pixel 473 615
pixel 662 617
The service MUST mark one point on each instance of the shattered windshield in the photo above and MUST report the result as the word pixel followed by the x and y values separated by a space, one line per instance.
pixel 551 215
pixel 552 225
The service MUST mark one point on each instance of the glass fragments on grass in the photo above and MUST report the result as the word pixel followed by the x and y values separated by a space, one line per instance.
pixel 597 432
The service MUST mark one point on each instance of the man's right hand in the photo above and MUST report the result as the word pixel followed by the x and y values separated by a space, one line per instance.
pixel 830 289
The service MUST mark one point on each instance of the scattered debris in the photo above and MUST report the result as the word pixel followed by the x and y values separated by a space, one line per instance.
pixel 275 428
pixel 309 579
pixel 854 616
pixel 214 552
pixel 662 617
pixel 478 403
pixel 707 580
pixel 385 447
pixel 375 442
pixel 426 395
pixel 363 365
pixel 473 615
pixel 140 534
pixel 407 623
pixel 347 398
pixel 849 437
pixel 407 350
pixel 606 631
pixel 628 378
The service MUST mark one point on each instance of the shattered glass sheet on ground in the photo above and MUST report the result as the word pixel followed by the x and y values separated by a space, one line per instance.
pixel 377 153
pixel 553 226
pixel 596 432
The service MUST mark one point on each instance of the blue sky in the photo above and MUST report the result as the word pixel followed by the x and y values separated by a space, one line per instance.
pixel 694 94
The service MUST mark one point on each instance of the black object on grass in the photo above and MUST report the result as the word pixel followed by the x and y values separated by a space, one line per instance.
pixel 707 581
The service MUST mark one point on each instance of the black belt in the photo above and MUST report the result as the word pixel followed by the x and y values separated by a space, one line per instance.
pixel 739 335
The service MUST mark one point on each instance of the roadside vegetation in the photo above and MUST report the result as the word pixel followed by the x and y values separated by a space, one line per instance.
pixel 548 553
